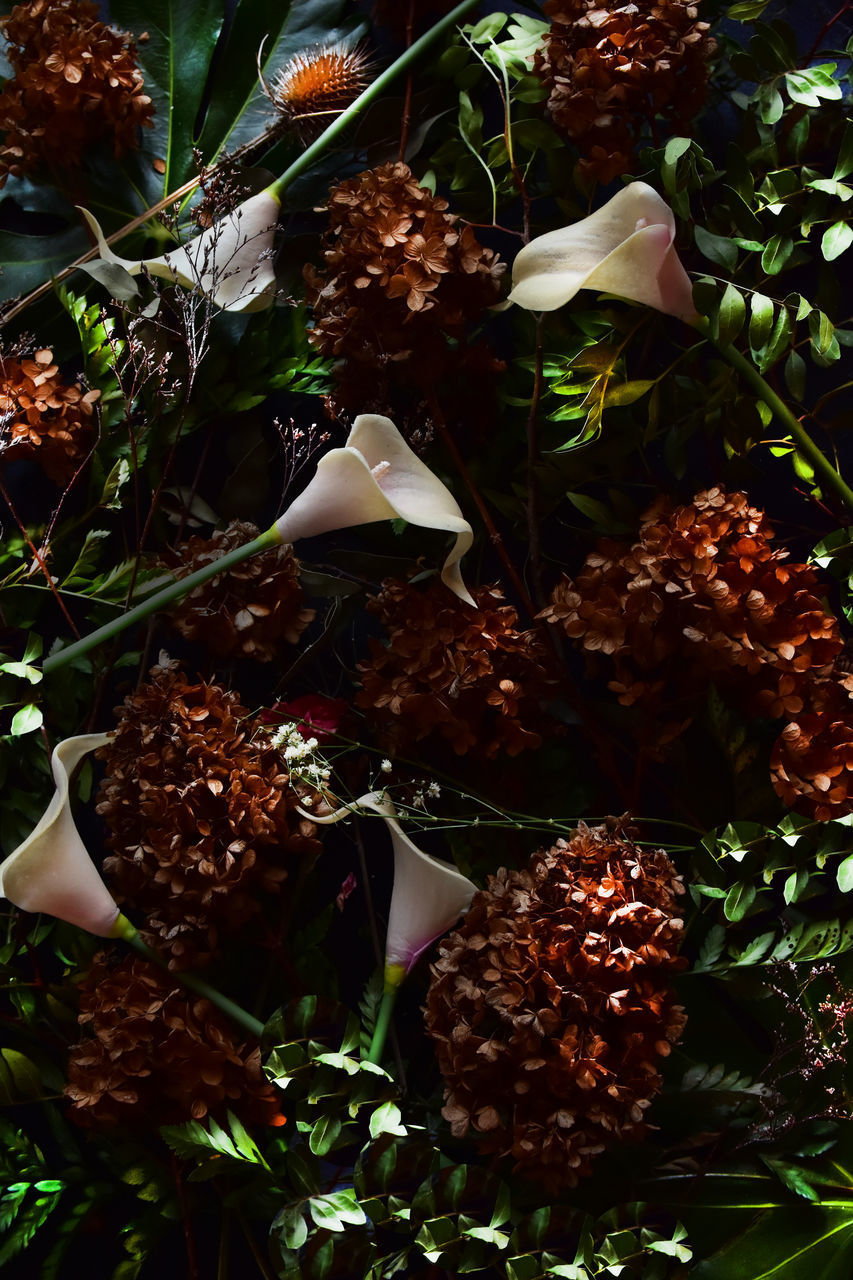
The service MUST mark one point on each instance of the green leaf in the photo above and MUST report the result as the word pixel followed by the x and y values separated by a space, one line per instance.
pixel 324 1134
pixel 844 874
pixel 731 316
pixel 30 260
pixel 719 249
pixel 291 1226
pixel 739 899
pixel 27 720
pixel 844 164
pixel 20 1080
pixel 626 392
pixel 812 85
pixel 387 1119
pixel 337 1211
pixel 238 110
pixel 747 10
pixel 778 251
pixel 760 321
pixel 795 375
pixel 175 60
pixel 836 239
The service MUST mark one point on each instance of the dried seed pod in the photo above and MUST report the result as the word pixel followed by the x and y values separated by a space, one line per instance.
pixel 318 83
pixel 551 1004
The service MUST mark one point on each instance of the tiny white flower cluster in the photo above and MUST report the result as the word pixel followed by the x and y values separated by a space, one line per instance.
pixel 432 792
pixel 302 758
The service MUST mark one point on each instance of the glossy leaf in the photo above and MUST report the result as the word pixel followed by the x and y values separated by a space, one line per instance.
pixel 175 60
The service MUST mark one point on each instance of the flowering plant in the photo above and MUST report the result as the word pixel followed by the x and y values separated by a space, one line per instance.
pixel 426 709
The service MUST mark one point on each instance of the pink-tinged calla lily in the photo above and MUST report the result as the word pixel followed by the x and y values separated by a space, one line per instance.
pixel 428 897
pixel 624 248
pixel 51 871
pixel 376 476
pixel 231 262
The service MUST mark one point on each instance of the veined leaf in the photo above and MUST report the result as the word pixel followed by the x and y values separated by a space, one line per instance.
pixel 175 60
pixel 238 109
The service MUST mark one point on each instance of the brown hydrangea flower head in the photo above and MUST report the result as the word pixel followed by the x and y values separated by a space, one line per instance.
pixel 400 280
pixel 811 764
pixel 153 1053
pixel 253 609
pixel 612 68
pixel 450 673
pixel 319 83
pixel 76 84
pixel 551 1004
pixel 703 583
pixel 201 815
pixel 43 417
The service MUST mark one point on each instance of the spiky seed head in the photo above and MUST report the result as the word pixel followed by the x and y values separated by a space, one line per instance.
pixel 320 81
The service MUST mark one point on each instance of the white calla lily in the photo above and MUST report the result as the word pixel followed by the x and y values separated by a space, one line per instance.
pixel 51 871
pixel 376 476
pixel 428 896
pixel 624 248
pixel 231 262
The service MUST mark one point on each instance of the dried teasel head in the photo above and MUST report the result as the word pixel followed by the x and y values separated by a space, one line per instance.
pixel 318 82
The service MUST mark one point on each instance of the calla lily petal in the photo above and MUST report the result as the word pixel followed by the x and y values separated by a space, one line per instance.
pixel 376 476
pixel 624 248
pixel 231 262
pixel 52 871
pixel 428 896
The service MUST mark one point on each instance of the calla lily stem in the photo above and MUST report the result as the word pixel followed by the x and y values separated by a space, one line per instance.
pixel 373 91
pixel 806 447
pixel 160 599
pixel 192 982
pixel 383 1022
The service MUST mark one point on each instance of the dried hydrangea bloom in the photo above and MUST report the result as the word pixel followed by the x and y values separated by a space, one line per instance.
pixel 154 1054
pixel 202 820
pixel 252 610
pixel 702 584
pixel 551 1004
pixel 613 68
pixel 43 417
pixel 400 288
pixel 446 672
pixel 811 764
pixel 76 84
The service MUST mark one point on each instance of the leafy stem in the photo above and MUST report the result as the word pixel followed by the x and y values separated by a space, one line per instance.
pixel 174 591
pixel 805 445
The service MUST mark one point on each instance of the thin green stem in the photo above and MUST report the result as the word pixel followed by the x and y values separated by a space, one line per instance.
pixel 805 445
pixel 383 1022
pixel 192 982
pixel 175 591
pixel 406 59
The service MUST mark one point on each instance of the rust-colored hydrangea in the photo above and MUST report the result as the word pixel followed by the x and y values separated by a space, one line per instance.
pixel 201 814
pixel 613 68
pixel 76 84
pixel 811 764
pixel 152 1053
pixel 253 609
pixel 447 672
pixel 401 286
pixel 702 584
pixel 551 1005
pixel 44 418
